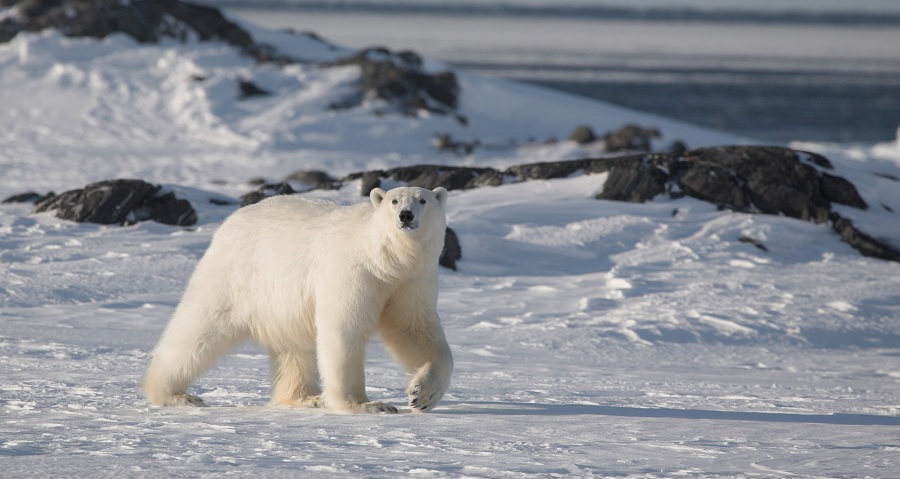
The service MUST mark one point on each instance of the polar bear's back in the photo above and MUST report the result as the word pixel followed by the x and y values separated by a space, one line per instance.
pixel 286 229
pixel 292 218
pixel 294 209
pixel 274 246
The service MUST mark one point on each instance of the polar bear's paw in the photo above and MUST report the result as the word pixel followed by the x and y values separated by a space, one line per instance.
pixel 377 407
pixel 421 399
pixel 424 395
pixel 184 399
pixel 428 386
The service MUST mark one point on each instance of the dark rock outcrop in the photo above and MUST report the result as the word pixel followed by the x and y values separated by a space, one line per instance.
pixel 146 21
pixel 630 138
pixel 427 176
pixel 754 179
pixel 627 138
pixel 862 242
pixel 582 134
pixel 445 142
pixel 314 179
pixel 759 179
pixel 769 180
pixel 248 89
pixel 452 251
pixel 28 197
pixel 635 183
pixel 120 202
pixel 398 79
pixel 266 190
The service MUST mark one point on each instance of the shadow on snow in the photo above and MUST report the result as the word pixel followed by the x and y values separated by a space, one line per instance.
pixel 531 409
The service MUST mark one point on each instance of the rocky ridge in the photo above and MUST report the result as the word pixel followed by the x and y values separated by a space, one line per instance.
pixel 750 179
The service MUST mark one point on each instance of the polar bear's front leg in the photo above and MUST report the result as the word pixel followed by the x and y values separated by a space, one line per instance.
pixel 431 381
pixel 420 346
pixel 341 340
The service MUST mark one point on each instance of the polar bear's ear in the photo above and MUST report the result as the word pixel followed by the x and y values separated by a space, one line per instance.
pixel 441 194
pixel 376 195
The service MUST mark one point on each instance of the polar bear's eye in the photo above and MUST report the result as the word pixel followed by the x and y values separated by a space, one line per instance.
pixel 422 201
pixel 394 202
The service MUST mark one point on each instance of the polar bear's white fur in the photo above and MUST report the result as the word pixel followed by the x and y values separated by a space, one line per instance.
pixel 312 282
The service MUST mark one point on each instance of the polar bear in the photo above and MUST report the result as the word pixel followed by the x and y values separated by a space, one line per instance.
pixel 312 282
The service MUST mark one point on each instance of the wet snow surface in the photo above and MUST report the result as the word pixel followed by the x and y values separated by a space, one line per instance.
pixel 592 338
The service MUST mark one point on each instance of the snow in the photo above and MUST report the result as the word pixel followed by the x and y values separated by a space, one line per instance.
pixel 592 338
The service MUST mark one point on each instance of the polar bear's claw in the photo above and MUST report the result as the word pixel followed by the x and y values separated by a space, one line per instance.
pixel 184 399
pixel 419 401
pixel 379 407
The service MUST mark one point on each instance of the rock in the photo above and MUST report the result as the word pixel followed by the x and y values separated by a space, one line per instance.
pixel 762 179
pixel 120 202
pixel 635 178
pixel 252 198
pixel 677 147
pixel 630 138
pixel 170 210
pixel 582 134
pixel 627 138
pixel 544 171
pixel 432 176
pixel 755 242
pixel 637 183
pixel 370 181
pixel 839 190
pixel 862 242
pixel 29 197
pixel 146 21
pixel 756 179
pixel 488 177
pixel 716 185
pixel 314 179
pixel 814 159
pixel 266 190
pixel 399 80
pixel 445 142
pixel 774 179
pixel 248 89
pixel 452 251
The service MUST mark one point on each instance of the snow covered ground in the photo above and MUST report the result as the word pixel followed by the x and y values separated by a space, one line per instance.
pixel 592 338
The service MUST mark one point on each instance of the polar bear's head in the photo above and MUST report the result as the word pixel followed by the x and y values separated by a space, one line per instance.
pixel 411 209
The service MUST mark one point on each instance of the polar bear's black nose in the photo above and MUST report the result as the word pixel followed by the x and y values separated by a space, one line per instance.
pixel 406 216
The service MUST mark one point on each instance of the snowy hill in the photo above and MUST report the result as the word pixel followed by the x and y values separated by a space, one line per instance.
pixel 593 338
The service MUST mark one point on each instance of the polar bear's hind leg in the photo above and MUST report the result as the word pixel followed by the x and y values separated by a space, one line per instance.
pixel 188 347
pixel 295 379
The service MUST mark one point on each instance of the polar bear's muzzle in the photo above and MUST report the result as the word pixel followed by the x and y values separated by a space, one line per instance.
pixel 408 221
